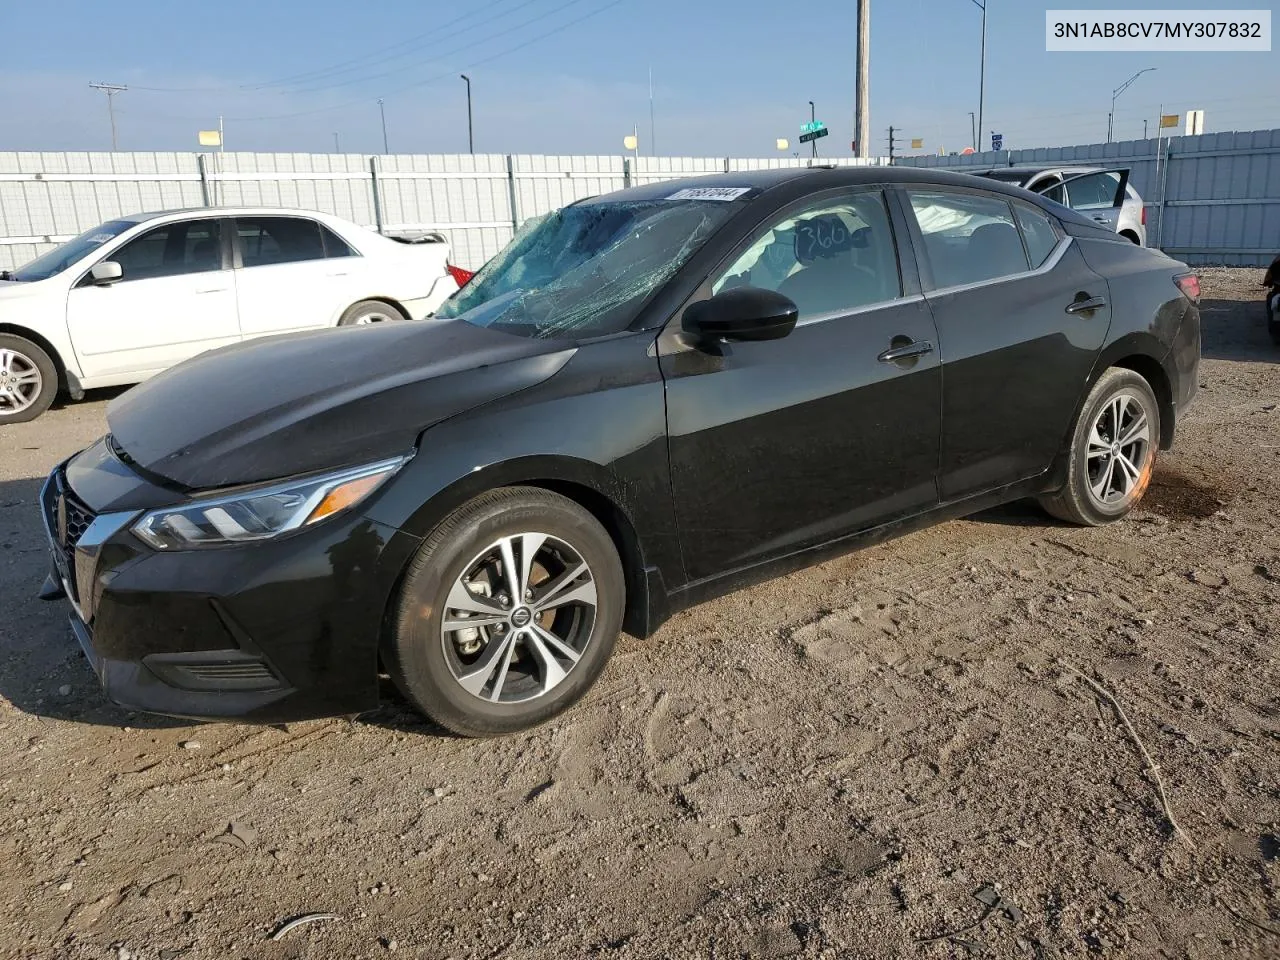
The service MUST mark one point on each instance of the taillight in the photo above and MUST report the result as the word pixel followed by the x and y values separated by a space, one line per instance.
pixel 1144 214
pixel 1189 284
pixel 459 275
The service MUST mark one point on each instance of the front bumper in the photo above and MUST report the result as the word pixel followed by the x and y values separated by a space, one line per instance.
pixel 274 631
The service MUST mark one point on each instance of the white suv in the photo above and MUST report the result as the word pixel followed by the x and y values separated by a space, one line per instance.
pixel 138 294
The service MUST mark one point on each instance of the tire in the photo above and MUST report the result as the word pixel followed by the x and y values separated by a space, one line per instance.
pixel 369 311
pixel 1273 316
pixel 478 681
pixel 28 380
pixel 1106 486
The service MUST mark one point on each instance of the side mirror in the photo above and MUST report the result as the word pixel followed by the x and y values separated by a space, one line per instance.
pixel 106 272
pixel 742 313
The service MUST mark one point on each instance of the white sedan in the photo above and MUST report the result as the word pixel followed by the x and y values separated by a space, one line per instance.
pixel 135 295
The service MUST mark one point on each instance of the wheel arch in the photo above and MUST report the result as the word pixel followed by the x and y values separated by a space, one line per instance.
pixel 591 487
pixel 1131 236
pixel 43 343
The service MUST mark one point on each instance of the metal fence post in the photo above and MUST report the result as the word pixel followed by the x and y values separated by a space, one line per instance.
pixel 726 165
pixel 511 192
pixel 377 193
pixel 626 172
pixel 1164 189
pixel 204 179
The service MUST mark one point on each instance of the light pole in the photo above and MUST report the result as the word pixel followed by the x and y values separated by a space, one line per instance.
pixel 471 141
pixel 973 132
pixel 383 110
pixel 813 115
pixel 982 71
pixel 1115 93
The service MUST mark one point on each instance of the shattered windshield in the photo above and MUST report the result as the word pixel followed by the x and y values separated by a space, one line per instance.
pixel 584 271
pixel 59 258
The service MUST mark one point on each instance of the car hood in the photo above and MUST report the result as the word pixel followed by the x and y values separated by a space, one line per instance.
pixel 297 403
pixel 13 289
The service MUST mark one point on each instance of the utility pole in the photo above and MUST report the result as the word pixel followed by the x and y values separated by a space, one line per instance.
pixel 383 110
pixel 336 147
pixel 973 132
pixel 892 145
pixel 1144 129
pixel 862 82
pixel 653 138
pixel 813 115
pixel 471 138
pixel 111 89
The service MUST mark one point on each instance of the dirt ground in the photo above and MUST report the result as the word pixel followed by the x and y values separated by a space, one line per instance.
pixel 853 761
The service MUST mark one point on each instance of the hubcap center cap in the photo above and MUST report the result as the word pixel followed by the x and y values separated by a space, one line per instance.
pixel 521 616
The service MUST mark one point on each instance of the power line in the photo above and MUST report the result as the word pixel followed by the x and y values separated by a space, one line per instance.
pixel 408 86
pixel 345 66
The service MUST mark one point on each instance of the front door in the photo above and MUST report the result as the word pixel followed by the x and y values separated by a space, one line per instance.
pixel 781 445
pixel 1008 290
pixel 175 298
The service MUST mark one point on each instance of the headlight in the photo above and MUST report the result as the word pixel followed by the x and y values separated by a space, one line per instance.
pixel 264 512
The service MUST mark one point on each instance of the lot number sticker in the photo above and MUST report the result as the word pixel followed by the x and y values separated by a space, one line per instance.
pixel 709 193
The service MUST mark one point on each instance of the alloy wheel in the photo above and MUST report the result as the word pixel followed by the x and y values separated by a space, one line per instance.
pixel 1119 451
pixel 518 619
pixel 20 382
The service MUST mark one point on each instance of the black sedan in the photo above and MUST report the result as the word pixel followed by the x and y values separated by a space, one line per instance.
pixel 647 399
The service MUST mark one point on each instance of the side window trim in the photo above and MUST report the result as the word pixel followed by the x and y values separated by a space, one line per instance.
pixel 906 295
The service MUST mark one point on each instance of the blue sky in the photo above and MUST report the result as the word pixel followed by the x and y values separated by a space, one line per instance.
pixel 571 76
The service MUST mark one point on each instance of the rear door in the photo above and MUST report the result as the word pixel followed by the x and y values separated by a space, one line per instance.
pixel 1098 196
pixel 780 445
pixel 1021 318
pixel 176 297
pixel 293 274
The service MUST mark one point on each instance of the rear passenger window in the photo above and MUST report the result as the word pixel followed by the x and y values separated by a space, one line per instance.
pixel 831 256
pixel 268 240
pixel 1039 233
pixel 967 238
pixel 334 245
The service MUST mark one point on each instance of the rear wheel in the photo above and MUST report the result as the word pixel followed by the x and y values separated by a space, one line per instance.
pixel 508 614
pixel 369 311
pixel 28 380
pixel 1113 452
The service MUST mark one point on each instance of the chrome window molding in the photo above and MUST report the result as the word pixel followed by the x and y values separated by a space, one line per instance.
pixel 856 311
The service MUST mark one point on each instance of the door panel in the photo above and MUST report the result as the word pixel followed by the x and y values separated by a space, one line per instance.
pixel 780 445
pixel 285 281
pixel 1014 361
pixel 174 300
pixel 1098 196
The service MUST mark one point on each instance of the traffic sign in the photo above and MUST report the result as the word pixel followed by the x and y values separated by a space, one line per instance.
pixel 997 141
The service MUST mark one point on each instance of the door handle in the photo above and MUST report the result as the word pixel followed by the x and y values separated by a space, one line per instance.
pixel 1086 305
pixel 213 290
pixel 1102 219
pixel 906 351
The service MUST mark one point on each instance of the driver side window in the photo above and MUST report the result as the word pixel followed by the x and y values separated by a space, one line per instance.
pixel 829 256
pixel 190 246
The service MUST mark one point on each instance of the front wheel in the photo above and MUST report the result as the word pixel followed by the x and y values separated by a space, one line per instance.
pixel 28 380
pixel 1113 452
pixel 508 614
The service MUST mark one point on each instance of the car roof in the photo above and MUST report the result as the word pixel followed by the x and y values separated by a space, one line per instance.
pixel 219 211
pixel 818 177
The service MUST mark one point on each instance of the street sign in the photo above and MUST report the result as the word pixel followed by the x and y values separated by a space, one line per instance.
pixel 812 126
pixel 812 132
pixel 1168 120
pixel 917 143
pixel 997 141
pixel 212 138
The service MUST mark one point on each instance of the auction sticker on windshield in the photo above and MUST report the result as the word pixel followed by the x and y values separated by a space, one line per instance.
pixel 709 193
